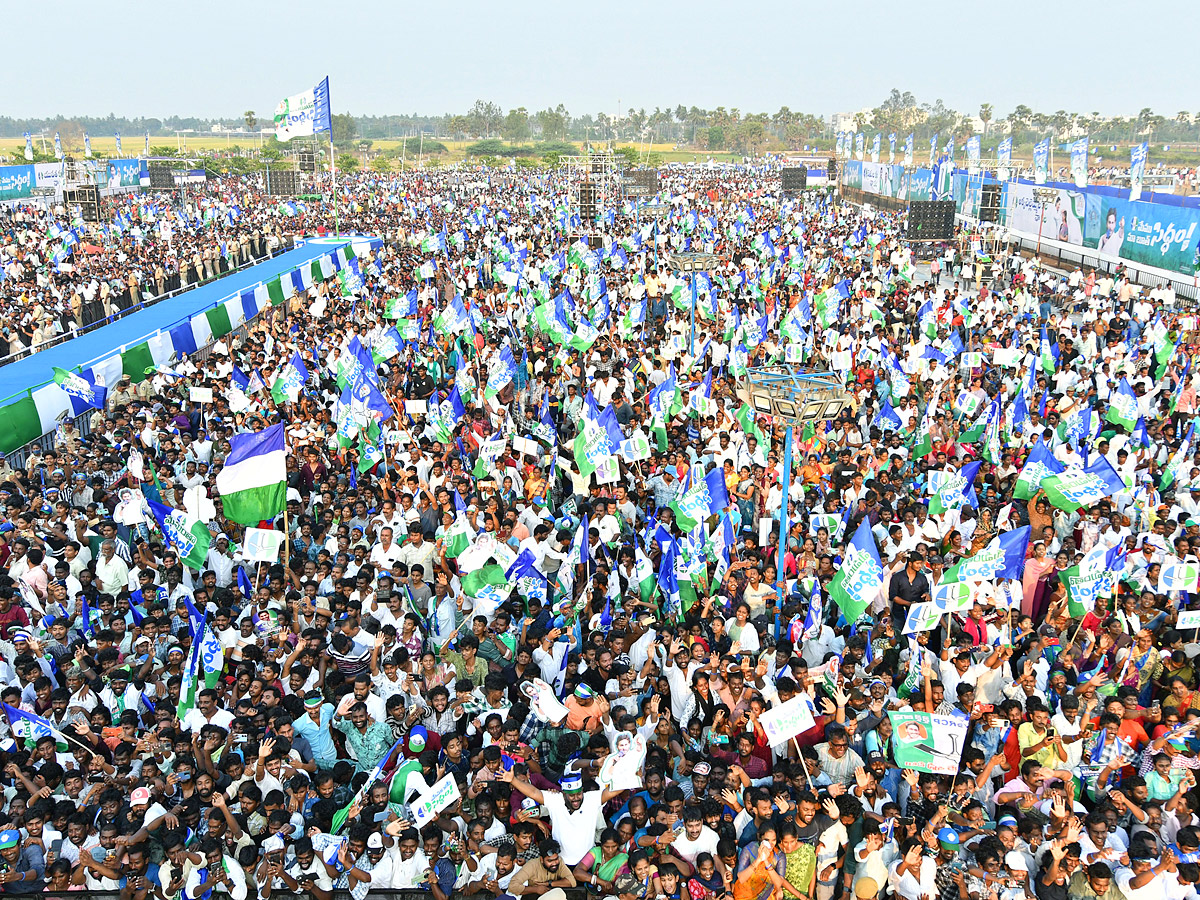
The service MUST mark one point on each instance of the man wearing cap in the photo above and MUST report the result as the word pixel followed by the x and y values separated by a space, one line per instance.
pixel 585 710
pixel 313 726
pixel 574 814
pixel 24 864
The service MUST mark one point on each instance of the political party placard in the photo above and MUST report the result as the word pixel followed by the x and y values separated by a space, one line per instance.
pixel 784 722
pixel 262 544
pixel 923 617
pixel 928 742
pixel 426 807
pixel 951 596
pixel 1188 619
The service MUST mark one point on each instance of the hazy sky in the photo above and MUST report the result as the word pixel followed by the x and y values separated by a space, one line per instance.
pixel 155 59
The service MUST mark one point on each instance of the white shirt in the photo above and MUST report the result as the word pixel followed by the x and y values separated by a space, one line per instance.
pixel 687 849
pixel 574 831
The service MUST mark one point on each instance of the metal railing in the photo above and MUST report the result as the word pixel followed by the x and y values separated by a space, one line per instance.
pixel 285 246
pixel 83 423
pixel 1052 253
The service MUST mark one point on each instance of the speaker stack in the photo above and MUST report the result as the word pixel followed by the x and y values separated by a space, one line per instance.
pixel 794 180
pixel 587 202
pixel 931 220
pixel 161 177
pixel 989 203
pixel 281 183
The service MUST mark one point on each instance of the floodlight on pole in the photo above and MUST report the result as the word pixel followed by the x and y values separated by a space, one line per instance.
pixel 692 264
pixel 793 397
pixel 1043 196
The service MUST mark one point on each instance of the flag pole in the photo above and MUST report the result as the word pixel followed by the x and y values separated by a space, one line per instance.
pixel 333 183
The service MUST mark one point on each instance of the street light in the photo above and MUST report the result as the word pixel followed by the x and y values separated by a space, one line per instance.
pixel 792 398
pixel 656 211
pixel 1044 196
pixel 691 264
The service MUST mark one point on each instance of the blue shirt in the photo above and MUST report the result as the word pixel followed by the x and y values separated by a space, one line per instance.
pixel 318 736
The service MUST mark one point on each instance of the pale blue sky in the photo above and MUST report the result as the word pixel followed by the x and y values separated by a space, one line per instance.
pixel 434 56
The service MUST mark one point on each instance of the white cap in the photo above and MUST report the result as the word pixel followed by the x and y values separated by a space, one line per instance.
pixel 1015 861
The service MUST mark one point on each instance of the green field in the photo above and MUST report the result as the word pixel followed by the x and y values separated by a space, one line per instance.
pixel 103 147
pixel 219 145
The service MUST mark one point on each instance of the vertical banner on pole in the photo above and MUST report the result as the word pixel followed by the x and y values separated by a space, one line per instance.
pixel 1041 160
pixel 1137 168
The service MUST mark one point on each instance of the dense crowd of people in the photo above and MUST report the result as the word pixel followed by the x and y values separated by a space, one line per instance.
pixel 528 628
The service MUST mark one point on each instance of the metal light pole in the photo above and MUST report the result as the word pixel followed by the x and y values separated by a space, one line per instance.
pixel 1044 196
pixel 690 264
pixel 657 211
pixel 792 397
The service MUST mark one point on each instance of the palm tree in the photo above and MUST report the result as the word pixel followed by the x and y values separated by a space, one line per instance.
pixel 985 115
pixel 249 119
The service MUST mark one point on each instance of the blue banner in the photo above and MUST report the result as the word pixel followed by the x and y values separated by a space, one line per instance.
pixel 123 173
pixel 16 182
pixel 1041 160
pixel 1152 234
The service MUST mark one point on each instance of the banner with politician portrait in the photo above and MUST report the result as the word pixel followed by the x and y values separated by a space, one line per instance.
pixel 928 742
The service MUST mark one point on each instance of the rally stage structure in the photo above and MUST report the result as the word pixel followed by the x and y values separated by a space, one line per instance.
pixel 160 335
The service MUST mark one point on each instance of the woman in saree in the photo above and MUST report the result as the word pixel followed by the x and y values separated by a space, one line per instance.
pixel 599 867
pixel 1039 568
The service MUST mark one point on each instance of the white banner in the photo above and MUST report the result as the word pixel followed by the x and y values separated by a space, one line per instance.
pixel 783 722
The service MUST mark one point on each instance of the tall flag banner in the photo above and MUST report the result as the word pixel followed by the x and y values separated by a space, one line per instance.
pixel 1079 162
pixel 118 139
pixel 28 146
pixel 87 145
pixel 1049 353
pixel 289 382
pixel 891 148
pixel 859 141
pixel 1137 169
pixel 875 148
pixel 253 483
pixel 190 537
pixel 1004 159
pixel 933 142
pixel 973 153
pixel 1041 160
pixel 668 580
pixel 908 150
pixel 304 114
pixel 860 579
pixel 146 146
pixel 58 154
pixel 502 375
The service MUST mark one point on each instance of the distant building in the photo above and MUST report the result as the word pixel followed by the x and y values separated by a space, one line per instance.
pixel 847 121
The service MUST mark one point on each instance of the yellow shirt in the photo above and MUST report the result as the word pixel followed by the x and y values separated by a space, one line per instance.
pixel 1027 736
